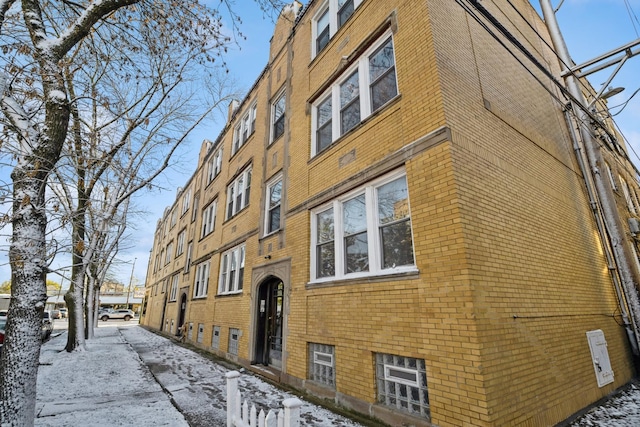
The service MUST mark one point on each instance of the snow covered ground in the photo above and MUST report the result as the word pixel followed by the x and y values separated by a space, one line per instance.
pixel 129 376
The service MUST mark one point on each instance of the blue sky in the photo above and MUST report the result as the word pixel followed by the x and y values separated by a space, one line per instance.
pixel 590 28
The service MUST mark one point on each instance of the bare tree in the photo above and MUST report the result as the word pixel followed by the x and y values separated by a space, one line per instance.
pixel 40 42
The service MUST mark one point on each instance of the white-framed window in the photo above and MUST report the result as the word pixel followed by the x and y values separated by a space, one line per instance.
pixel 365 87
pixel 187 260
pixel 174 288
pixel 202 280
pixel 322 364
pixel 168 253
pixel 209 218
pixel 402 383
pixel 238 193
pixel 180 242
pixel 365 232
pixel 186 201
pixel 245 128
pixel 174 217
pixel 627 195
pixel 278 116
pixel 196 205
pixel 232 271
pixel 214 165
pixel 332 15
pixel 273 205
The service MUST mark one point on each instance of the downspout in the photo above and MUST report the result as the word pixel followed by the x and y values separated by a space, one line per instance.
pixel 600 225
pixel 626 269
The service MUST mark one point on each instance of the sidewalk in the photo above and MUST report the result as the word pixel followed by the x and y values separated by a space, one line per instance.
pixel 129 376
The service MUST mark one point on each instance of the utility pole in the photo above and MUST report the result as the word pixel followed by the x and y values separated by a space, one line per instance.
pixel 625 259
pixel 130 281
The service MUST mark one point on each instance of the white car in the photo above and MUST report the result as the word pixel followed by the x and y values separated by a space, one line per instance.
pixel 116 314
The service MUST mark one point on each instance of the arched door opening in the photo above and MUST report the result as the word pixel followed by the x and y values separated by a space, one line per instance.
pixel 270 306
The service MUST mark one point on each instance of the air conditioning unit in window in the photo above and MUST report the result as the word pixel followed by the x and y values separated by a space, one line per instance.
pixel 634 225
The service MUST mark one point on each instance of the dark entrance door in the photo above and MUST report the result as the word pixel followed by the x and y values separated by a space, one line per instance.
pixel 269 327
pixel 183 311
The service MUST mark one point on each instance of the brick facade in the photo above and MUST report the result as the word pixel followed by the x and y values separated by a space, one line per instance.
pixel 508 272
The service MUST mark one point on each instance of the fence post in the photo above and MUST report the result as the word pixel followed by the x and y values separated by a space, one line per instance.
pixel 292 412
pixel 232 388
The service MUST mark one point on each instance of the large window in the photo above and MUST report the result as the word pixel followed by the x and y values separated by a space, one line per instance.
pixel 244 129
pixel 174 216
pixel 232 271
pixel 174 288
pixel 186 201
pixel 274 200
pixel 202 280
pixel 196 205
pixel 365 88
pixel 180 243
pixel 238 193
pixel 366 232
pixel 402 384
pixel 332 15
pixel 214 165
pixel 168 253
pixel 187 260
pixel 278 111
pixel 209 218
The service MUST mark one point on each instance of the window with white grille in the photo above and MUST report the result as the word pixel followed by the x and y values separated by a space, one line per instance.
pixel 174 288
pixel 209 218
pixel 402 383
pixel 322 364
pixel 234 338
pixel 238 193
pixel 215 337
pixel 202 280
pixel 232 271
pixel 200 332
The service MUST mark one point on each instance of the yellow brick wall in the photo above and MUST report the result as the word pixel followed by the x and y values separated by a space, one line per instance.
pixel 510 272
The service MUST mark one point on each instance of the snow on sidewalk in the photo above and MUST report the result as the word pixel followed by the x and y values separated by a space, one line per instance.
pixel 129 375
pixel 105 385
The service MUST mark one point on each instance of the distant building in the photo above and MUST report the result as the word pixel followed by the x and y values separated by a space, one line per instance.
pixel 394 218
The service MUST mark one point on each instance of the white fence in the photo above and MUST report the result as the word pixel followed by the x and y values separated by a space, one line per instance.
pixel 239 414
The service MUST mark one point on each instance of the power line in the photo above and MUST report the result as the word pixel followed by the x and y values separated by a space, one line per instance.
pixel 507 34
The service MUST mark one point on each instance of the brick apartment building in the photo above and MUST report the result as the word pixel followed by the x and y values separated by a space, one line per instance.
pixel 394 218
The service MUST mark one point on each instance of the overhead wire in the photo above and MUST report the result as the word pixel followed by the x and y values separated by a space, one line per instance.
pixel 580 80
pixel 632 15
pixel 505 33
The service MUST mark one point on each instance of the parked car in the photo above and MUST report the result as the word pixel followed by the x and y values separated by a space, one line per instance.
pixel 47 325
pixel 55 314
pixel 117 314
pixel 63 313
